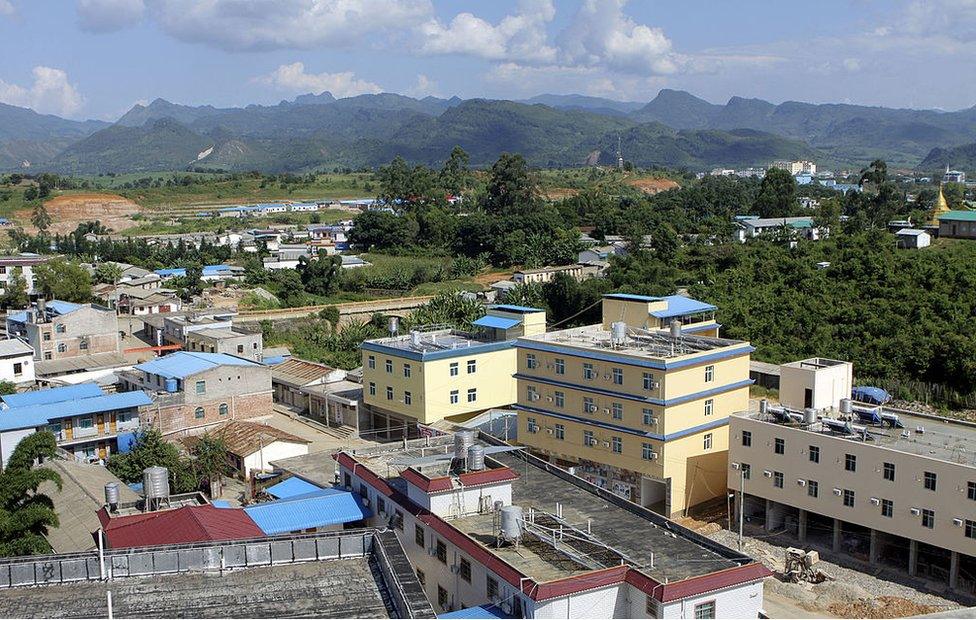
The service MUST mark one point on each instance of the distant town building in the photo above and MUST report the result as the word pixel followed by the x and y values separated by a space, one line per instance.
pixel 232 341
pixel 748 227
pixel 957 224
pixel 23 266
pixel 796 167
pixel 953 176
pixel 913 238
pixel 58 330
pixel 16 361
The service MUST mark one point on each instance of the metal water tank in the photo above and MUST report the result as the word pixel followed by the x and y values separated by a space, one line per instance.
pixel 394 325
pixel 112 494
pixel 415 338
pixel 476 458
pixel 675 329
pixel 512 522
pixel 462 441
pixel 846 406
pixel 809 415
pixel 155 482
pixel 618 332
pixel 171 385
pixel 764 406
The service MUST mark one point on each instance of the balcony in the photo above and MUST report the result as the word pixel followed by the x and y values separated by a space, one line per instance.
pixel 78 432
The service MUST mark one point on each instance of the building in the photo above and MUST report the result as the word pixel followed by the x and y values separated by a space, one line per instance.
pixel 426 376
pixel 796 167
pixel 59 329
pixel 792 227
pixel 209 273
pixel 913 239
pixel 568 550
pixel 542 275
pixel 890 490
pixel 251 447
pixel 321 510
pixel 193 391
pixel 16 361
pixel 957 224
pixel 818 382
pixel 173 328
pixel 23 266
pixel 337 404
pixel 190 522
pixel 633 408
pixel 953 176
pixel 232 341
pixel 86 421
pixel 139 300
pixel 291 379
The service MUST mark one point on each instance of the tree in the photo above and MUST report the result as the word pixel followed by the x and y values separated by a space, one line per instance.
pixel 108 273
pixel 190 284
pixel 381 230
pixel 510 186
pixel 528 294
pixel 777 194
pixel 320 276
pixel 15 293
pixel 210 461
pixel 25 514
pixel 875 174
pixel 40 218
pixel 8 387
pixel 64 280
pixel 455 174
pixel 151 450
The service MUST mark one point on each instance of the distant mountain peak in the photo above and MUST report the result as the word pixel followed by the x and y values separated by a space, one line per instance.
pixel 323 98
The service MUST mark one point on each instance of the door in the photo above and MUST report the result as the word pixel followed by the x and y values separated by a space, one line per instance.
pixel 807 398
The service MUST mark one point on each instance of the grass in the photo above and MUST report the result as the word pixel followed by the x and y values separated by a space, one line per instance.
pixel 448 286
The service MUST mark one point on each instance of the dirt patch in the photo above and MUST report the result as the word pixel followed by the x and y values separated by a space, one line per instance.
pixel 558 193
pixel 490 277
pixel 69 210
pixel 881 607
pixel 653 186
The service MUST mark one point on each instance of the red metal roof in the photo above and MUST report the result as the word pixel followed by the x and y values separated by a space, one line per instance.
pixel 468 479
pixel 188 524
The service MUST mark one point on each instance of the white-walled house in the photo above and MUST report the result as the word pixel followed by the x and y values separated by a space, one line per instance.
pixel 16 361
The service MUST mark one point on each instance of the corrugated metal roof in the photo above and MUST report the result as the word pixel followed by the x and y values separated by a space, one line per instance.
pixel 518 309
pixel 188 524
pixel 959 216
pixel 679 305
pixel 34 416
pixel 319 509
pixel 12 347
pixel 496 322
pixel 62 307
pixel 53 395
pixel 182 364
pixel 482 612
pixel 631 297
pixel 292 487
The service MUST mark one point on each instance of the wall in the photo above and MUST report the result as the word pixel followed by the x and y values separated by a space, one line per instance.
pixel 179 418
pixel 27 369
pixel 828 385
pixel 741 602
pixel 9 441
pixel 272 452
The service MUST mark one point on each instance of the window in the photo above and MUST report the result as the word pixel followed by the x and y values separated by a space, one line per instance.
pixel 709 374
pixel 491 588
pixel 372 389
pixel 929 480
pixel 778 479
pixel 814 454
pixel 389 393
pixel 618 376
pixel 887 508
pixel 746 438
pixel 850 462
pixel 560 366
pixel 708 441
pixel 472 395
pixel 441 551
pixel 746 471
pixel 705 610
pixel 83 345
pixel 849 498
pixel 928 518
pixel 889 471
pixel 222 409
pixel 422 578
pixel 560 431
pixel 647 451
pixel 62 347
pixel 531 425
pixel 240 348
pixel 617 445
pixel 779 446
pixel 441 597
pixel 88 423
pixel 47 336
pixel 472 366
pixel 709 406
pixel 454 397
pixel 371 361
pixel 407 398
pixel 380 505
pixel 198 413
pixel 617 410
pixel 530 361
pixel 531 393
pixel 970 529
pixel 560 399
pixel 648 381
pixel 588 438
pixel 971 490
pixel 406 370
pixel 201 387
pixel 59 328
pixel 813 488
pixel 588 406
pixel 454 369
pixel 389 366
pixel 587 370
pixel 648 417
pixel 464 569
pixel 18 368
pixel 651 607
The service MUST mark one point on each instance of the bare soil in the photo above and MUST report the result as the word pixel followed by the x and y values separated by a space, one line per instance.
pixel 69 210
pixel 653 186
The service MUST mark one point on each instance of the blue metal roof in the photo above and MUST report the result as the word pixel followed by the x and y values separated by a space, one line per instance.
pixel 208 270
pixel 496 321
pixel 53 395
pixel 679 305
pixel 869 394
pixel 41 415
pixel 292 487
pixel 319 509
pixel 630 297
pixel 482 612
pixel 18 317
pixel 62 307
pixel 519 309
pixel 221 503
pixel 273 359
pixel 182 364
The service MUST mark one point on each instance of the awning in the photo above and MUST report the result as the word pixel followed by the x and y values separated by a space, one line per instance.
pixel 496 322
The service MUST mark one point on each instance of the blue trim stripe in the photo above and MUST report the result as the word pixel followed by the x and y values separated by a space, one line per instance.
pixel 633 361
pixel 583 387
pixel 427 356
pixel 623 429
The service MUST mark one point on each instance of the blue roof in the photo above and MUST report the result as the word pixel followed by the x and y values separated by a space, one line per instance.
pixel 57 306
pixel 208 270
pixel 53 395
pixel 182 364
pixel 273 359
pixel 679 305
pixel 322 508
pixel 869 394
pixel 18 317
pixel 630 297
pixel 34 416
pixel 482 612
pixel 291 487
pixel 221 503
pixel 496 321
pixel 519 309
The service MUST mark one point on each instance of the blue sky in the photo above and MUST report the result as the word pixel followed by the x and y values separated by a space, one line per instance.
pixel 96 58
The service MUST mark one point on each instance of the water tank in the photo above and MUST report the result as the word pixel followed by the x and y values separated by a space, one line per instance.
pixel 415 338
pixel 155 482
pixel 809 415
pixel 618 332
pixel 512 522
pixel 394 325
pixel 462 441
pixel 41 306
pixel 764 406
pixel 675 329
pixel 476 458
pixel 112 494
pixel 171 385
pixel 846 406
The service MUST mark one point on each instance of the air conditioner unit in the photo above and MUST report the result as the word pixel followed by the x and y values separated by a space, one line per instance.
pixel 916 512
pixel 837 491
pixel 607 377
pixel 432 551
pixel 606 411
pixel 549 399
pixel 767 473
pixel 736 466
pixel 875 501
pixel 365 501
pixel 801 482
pixel 454 569
pixel 653 455
pixel 606 444
pixel 655 385
pixel 957 522
pixel 549 430
pixel 534 396
pixel 590 441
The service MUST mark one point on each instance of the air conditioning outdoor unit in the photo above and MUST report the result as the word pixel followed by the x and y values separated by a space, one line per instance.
pixel 549 430
pixel 957 522
pixel 801 482
pixel 549 399
pixel 916 512
pixel 736 466
pixel 655 385
pixel 837 491
pixel 653 455
pixel 606 411
pixel 767 473
pixel 875 501
pixel 606 444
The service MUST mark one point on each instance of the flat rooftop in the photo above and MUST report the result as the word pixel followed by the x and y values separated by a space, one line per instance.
pixel 618 531
pixel 436 341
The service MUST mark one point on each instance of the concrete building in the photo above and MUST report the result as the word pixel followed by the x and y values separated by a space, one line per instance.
pixel 16 361
pixel 193 391
pixel 86 421
pixel 23 266
pixel 793 227
pixel 173 328
pixel 337 404
pixel 541 275
pixel 291 379
pixel 136 300
pixel 957 224
pixel 568 549
pixel 816 382
pixel 896 490
pixel 59 329
pixel 232 341
pixel 913 238
pixel 953 176
pixel 426 376
pixel 796 167
pixel 251 447
pixel 632 408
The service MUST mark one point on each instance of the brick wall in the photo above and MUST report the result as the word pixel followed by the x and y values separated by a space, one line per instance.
pixel 181 418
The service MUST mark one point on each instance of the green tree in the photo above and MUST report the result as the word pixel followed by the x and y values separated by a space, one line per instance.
pixel 510 186
pixel 876 174
pixel 64 280
pixel 455 175
pixel 777 194
pixel 210 461
pixel 151 450
pixel 15 293
pixel 381 230
pixel 322 275
pixel 108 273
pixel 26 515
pixel 8 387
pixel 529 294
pixel 40 218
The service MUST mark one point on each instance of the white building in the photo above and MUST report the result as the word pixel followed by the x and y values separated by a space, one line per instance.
pixel 913 238
pixel 252 447
pixel 22 265
pixel 816 382
pixel 16 361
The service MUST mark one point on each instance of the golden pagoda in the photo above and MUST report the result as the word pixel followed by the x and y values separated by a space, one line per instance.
pixel 940 208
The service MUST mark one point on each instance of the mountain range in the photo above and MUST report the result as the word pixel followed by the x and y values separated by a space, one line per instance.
pixel 319 131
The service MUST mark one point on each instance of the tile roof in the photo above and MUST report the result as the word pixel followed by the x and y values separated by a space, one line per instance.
pixel 301 512
pixel 245 438
pixel 183 364
pixel 187 524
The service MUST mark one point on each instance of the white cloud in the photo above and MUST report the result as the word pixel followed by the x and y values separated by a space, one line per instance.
pixel 521 36
pixel 109 15
pixel 424 87
pixel 293 79
pixel 7 8
pixel 50 93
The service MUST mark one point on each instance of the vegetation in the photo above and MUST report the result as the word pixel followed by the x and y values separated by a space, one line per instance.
pixel 26 515
pixel 151 450
pixel 64 280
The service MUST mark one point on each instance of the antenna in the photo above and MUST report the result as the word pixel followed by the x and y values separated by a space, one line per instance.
pixel 620 155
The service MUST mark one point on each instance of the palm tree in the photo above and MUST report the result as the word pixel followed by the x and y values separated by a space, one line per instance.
pixel 25 514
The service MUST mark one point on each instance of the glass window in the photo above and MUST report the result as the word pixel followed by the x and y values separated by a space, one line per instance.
pixel 59 328
pixel 617 445
pixel 971 490
pixel 814 454
pixel 406 370
pixel 889 471
pixel 472 395
pixel 779 446
pixel 389 366
pixel 778 479
pixel 709 374
pixel 422 578
pixel 86 423
pixel 704 611
pixel 531 425
pixel 62 347
pixel 560 399
pixel 472 366
pixel 647 451
pixel 372 389
pixel 813 488
pixel 929 480
pixel 970 529
pixel 928 518
pixel 464 570
pixel 648 415
pixel 850 462
pixel 887 508
pixel 560 366
pixel 588 406
pixel 201 387
pixel 617 410
pixel 530 361
pixel 222 410
pixel 407 398
pixel 454 397
pixel 747 438
pixel 560 431
pixel 648 381
pixel 587 370
pixel 389 393
pixel 618 376
pixel 708 441
pixel 849 498
pixel 441 550
pixel 441 597
pixel 83 345
pixel 588 438
pixel 198 413
pixel 371 361
pixel 491 588
pixel 454 369
pixel 709 406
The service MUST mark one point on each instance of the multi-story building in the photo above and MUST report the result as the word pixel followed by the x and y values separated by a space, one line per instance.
pixel 16 361
pixel 634 408
pixel 173 328
pixel 231 341
pixel 23 266
pixel 193 391
pixel 438 373
pixel 509 530
pixel 891 490
pixel 85 421
pixel 796 167
pixel 59 329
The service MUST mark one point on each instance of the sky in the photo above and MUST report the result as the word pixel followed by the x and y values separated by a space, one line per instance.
pixel 98 58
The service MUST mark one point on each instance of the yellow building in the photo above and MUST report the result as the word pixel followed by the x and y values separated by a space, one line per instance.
pixel 630 406
pixel 432 374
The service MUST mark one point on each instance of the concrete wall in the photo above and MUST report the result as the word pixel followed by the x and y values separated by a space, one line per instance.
pixel 828 384
pixel 98 328
pixel 246 345
pixel 272 452
pixel 9 441
pixel 26 374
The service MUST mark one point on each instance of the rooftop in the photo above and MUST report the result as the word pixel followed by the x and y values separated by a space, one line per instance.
pixel 53 395
pixel 32 416
pixel 300 372
pixel 245 438
pixel 186 524
pixel 14 347
pixel 959 216
pixel 182 364
pixel 319 508
pixel 435 344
